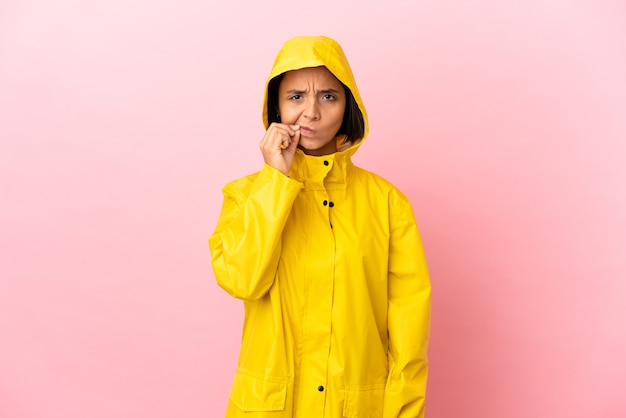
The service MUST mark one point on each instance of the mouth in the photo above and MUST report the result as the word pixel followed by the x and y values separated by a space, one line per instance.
pixel 305 130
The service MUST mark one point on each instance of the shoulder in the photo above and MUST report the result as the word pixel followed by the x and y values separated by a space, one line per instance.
pixel 266 180
pixel 379 186
pixel 241 183
pixel 240 188
pixel 244 184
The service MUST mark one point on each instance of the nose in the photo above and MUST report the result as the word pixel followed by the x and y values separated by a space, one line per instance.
pixel 311 111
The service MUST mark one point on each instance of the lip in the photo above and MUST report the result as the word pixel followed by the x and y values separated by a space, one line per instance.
pixel 305 130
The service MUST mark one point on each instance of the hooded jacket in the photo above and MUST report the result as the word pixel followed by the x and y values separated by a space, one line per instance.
pixel 330 266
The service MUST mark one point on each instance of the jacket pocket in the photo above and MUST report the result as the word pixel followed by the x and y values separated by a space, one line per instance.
pixel 252 393
pixel 364 401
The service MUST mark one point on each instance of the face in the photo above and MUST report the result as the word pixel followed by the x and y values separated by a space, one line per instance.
pixel 314 99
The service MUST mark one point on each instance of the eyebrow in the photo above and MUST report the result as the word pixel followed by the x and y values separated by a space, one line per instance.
pixel 295 91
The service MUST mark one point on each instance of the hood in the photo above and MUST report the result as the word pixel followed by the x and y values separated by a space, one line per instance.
pixel 314 51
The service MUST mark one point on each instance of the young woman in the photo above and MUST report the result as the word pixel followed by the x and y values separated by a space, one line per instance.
pixel 326 257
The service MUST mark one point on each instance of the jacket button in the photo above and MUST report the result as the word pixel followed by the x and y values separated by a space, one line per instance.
pixel 331 204
pixel 325 162
pixel 320 388
pixel 326 202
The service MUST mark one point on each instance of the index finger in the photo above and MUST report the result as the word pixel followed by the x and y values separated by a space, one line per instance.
pixel 283 127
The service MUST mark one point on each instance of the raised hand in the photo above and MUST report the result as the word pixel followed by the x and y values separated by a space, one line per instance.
pixel 279 144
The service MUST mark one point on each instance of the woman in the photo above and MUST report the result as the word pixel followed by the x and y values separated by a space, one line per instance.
pixel 325 255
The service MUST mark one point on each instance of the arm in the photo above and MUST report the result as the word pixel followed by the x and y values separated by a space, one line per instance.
pixel 408 319
pixel 246 244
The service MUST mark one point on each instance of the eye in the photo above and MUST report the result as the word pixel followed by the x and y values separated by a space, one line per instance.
pixel 329 97
pixel 295 97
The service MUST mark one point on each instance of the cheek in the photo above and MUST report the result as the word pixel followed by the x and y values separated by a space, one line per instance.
pixel 338 117
pixel 287 113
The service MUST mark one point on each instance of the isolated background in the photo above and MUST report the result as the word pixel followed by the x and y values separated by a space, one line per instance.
pixel 120 121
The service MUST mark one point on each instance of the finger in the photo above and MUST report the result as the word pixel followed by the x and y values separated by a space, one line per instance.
pixel 283 127
pixel 286 141
pixel 282 134
pixel 274 138
pixel 295 140
pixel 294 130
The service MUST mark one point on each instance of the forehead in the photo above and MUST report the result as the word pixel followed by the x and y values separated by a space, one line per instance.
pixel 317 76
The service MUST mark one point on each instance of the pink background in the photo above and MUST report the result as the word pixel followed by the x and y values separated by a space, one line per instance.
pixel 120 121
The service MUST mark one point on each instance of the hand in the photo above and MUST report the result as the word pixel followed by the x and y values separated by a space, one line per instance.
pixel 279 144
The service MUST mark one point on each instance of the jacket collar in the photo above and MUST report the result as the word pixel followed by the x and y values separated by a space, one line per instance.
pixel 324 172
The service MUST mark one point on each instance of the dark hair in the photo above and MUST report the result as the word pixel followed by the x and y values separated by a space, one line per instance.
pixel 353 125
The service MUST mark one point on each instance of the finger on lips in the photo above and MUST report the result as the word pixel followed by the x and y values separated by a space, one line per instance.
pixel 292 132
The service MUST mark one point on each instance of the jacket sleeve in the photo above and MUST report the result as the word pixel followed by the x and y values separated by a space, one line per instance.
pixel 245 247
pixel 408 319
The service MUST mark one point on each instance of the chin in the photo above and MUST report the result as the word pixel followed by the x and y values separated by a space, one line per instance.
pixel 308 146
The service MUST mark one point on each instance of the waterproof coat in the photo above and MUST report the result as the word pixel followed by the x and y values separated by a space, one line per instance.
pixel 329 264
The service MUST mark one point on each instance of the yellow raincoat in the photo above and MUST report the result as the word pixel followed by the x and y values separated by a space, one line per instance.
pixel 329 264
